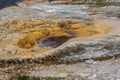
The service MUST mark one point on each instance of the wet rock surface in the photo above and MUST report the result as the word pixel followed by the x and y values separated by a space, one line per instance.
pixel 97 51
pixel 45 11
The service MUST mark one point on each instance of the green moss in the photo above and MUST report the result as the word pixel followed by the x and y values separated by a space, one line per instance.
pixel 97 3
pixel 25 77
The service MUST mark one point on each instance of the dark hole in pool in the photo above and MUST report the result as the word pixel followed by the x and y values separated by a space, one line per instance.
pixel 53 42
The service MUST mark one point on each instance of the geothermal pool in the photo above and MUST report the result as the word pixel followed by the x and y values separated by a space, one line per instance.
pixel 60 41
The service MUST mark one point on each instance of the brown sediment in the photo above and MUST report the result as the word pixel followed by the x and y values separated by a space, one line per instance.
pixel 26 54
pixel 84 29
pixel 33 1
pixel 18 25
pixel 43 34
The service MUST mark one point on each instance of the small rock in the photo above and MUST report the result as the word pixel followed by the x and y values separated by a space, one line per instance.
pixel 36 69
pixel 9 52
pixel 6 65
pixel 14 52
pixel 41 68
pixel 25 67
pixel 113 57
pixel 33 57
pixel 13 71
pixel 31 69
pixel 35 49
pixel 18 71
pixel 90 61
pixel 73 77
pixel 20 60
pixel 28 72
pixel 4 49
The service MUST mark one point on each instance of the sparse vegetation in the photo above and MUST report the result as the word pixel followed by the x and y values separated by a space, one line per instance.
pixel 96 3
pixel 25 77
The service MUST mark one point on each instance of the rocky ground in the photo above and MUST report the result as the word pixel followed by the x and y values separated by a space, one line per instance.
pixel 60 41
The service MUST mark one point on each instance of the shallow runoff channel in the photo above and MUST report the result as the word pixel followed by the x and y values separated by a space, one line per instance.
pixel 59 11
